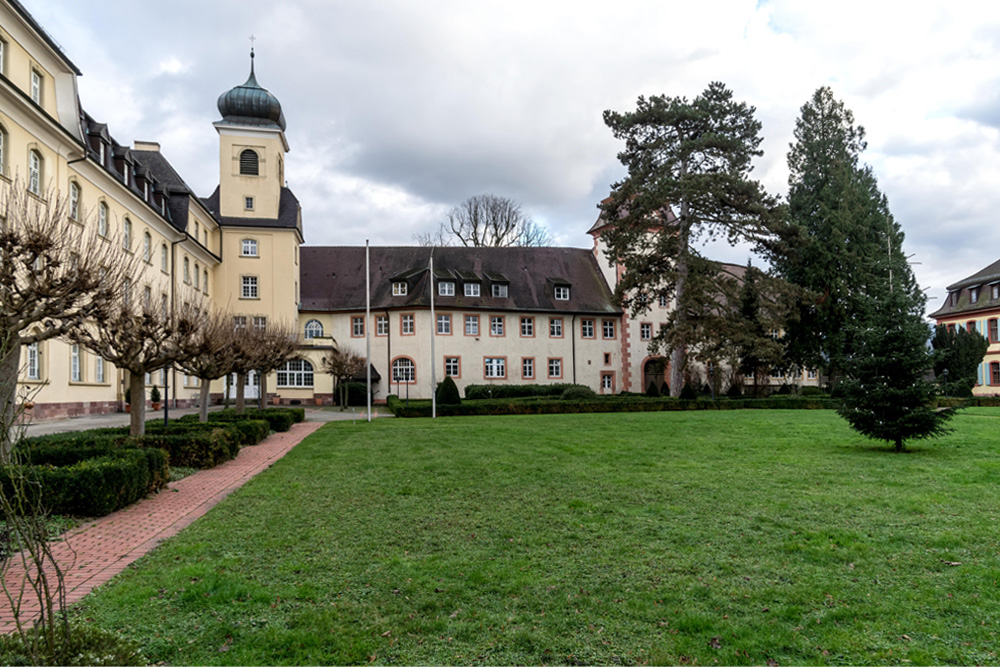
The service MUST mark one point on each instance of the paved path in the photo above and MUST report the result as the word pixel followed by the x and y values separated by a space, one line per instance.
pixel 96 551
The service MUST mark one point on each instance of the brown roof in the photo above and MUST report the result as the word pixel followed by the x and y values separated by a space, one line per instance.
pixel 333 278
pixel 963 302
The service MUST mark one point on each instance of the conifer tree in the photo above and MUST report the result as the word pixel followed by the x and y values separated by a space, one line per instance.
pixel 958 354
pixel 689 164
pixel 843 231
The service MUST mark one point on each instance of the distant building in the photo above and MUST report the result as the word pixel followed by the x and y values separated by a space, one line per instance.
pixel 973 303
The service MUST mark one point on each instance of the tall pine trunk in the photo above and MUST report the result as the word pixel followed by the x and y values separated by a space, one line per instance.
pixel 679 350
pixel 203 400
pixel 137 399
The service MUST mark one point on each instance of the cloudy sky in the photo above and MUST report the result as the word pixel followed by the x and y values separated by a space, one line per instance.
pixel 398 110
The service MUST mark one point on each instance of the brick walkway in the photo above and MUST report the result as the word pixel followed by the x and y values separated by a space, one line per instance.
pixel 96 551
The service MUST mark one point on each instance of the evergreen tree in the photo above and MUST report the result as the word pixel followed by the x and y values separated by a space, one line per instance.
pixel 843 231
pixel 447 392
pixel 885 394
pixel 757 350
pixel 688 180
pixel 958 354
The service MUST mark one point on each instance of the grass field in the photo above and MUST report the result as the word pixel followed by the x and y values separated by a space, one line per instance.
pixel 743 537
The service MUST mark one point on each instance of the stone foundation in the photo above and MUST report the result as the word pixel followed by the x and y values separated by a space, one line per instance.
pixel 48 411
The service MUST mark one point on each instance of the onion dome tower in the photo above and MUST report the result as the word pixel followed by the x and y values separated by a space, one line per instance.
pixel 251 104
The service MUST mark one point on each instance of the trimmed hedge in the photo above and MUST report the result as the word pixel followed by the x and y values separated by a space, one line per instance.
pixel 279 419
pixel 493 391
pixel 95 486
pixel 606 404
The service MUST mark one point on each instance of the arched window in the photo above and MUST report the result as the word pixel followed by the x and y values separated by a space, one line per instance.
pixel 205 282
pixel 295 373
pixel 404 370
pixel 3 149
pixel 197 276
pixel 187 270
pixel 163 258
pixel 34 370
pixel 314 329
pixel 74 201
pixel 34 172
pixel 127 234
pixel 249 163
pixel 102 219
pixel 147 246
pixel 249 248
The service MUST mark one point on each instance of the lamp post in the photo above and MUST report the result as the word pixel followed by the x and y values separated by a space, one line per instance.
pixel 944 375
pixel 711 379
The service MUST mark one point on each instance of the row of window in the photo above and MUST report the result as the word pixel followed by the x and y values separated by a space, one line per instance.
pixel 404 369
pixel 471 324
pixel 77 365
pixel 975 293
pixel 473 289
pixel 992 330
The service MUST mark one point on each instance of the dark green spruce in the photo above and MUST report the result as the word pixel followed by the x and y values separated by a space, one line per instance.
pixel 958 355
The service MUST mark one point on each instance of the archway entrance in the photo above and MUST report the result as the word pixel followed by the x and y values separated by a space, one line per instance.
pixel 654 370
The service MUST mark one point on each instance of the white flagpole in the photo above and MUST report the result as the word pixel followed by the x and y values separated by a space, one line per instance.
pixel 434 405
pixel 368 327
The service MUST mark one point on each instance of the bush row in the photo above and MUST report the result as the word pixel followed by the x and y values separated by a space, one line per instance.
pixel 279 419
pixel 94 486
pixel 606 404
pixel 488 391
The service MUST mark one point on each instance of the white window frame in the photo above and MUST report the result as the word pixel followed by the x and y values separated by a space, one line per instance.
pixel 562 292
pixel 36 86
pixel 147 246
pixel 528 368
pixel 249 287
pixel 587 328
pixel 102 220
pixel 407 325
pixel 357 326
pixel 494 367
pixel 296 373
pixel 404 371
pixel 497 325
pixel 452 367
pixel 164 263
pixel 127 234
pixel 444 325
pixel 472 289
pixel 608 329
pixel 75 372
pixel 399 288
pixel 34 172
pixel 187 271
pixel 527 327
pixel 249 248
pixel 555 327
pixel 382 325
pixel 446 288
pixel 74 197
pixel 646 331
pixel 34 366
pixel 472 325
pixel 99 369
pixel 555 367
pixel 500 290
pixel 313 329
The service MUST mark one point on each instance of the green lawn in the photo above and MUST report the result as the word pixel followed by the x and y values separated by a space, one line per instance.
pixel 736 537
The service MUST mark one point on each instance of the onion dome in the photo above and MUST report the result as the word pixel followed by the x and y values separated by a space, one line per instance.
pixel 250 104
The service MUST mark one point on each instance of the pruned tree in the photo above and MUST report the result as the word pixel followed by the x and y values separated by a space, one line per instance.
pixel 141 338
pixel 54 273
pixel 343 364
pixel 688 181
pixel 958 353
pixel 261 348
pixel 214 355
pixel 488 220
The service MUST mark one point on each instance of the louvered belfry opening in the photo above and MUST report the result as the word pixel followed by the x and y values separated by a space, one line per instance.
pixel 249 165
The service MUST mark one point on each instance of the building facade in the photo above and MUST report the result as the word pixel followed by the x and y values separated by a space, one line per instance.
pixel 973 303
pixel 501 315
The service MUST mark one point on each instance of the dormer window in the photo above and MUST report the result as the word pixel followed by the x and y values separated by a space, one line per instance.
pixel 953 297
pixel 446 288
pixel 145 190
pixel 995 291
pixel 973 294
pixel 125 173
pixel 399 288
pixel 100 151
pixel 471 289
pixel 500 290
pixel 562 292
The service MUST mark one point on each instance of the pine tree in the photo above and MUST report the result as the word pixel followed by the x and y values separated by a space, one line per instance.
pixel 757 351
pixel 843 231
pixel 885 395
pixel 688 180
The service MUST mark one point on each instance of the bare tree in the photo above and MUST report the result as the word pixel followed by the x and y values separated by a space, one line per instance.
pixel 261 349
pixel 141 338
pixel 53 274
pixel 214 357
pixel 343 364
pixel 488 221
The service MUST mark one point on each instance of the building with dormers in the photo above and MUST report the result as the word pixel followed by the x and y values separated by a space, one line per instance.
pixel 501 315
pixel 973 303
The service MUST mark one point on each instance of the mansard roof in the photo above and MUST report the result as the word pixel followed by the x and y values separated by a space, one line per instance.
pixel 962 302
pixel 333 278
pixel 288 213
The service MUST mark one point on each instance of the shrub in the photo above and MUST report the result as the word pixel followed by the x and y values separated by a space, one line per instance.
pixel 279 419
pixel 578 393
pixel 154 395
pixel 784 390
pixel 734 391
pixel 811 391
pixel 97 486
pixel 664 389
pixel 357 393
pixel 87 645
pixel 447 393
pixel 652 391
pixel 196 449
pixel 485 391
pixel 688 393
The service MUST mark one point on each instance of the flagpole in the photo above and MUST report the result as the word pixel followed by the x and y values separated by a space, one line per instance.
pixel 368 327
pixel 433 336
